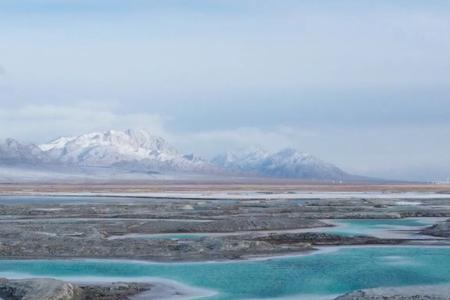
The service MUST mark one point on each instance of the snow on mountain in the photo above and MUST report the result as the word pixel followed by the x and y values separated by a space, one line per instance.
pixel 140 152
pixel 14 153
pixel 242 161
pixel 287 163
pixel 136 150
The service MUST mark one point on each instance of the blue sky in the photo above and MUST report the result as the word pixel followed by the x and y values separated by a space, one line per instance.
pixel 363 84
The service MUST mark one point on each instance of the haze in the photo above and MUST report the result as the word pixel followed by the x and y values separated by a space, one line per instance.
pixel 362 84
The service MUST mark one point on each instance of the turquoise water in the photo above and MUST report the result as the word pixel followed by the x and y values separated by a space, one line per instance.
pixel 386 222
pixel 176 236
pixel 168 236
pixel 376 227
pixel 390 228
pixel 324 273
pixel 50 200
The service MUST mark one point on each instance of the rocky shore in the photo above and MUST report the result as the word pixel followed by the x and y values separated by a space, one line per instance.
pixel 89 227
pixel 400 293
pixel 51 289
pixel 224 229
pixel 441 229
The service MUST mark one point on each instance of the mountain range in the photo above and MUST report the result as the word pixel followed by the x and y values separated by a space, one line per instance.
pixel 141 152
pixel 287 163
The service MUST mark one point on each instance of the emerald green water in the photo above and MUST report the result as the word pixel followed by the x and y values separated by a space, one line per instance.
pixel 178 236
pixel 324 273
pixel 171 236
pixel 386 222
pixel 378 227
pixel 163 236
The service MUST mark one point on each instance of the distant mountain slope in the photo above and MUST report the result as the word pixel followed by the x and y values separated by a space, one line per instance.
pixel 13 153
pixel 134 152
pixel 287 163
pixel 137 150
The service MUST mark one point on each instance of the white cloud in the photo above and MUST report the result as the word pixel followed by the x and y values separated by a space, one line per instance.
pixel 40 123
pixel 212 142
pixel 411 152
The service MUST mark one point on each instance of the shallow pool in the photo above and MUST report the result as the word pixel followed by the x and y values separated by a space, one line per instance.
pixel 382 228
pixel 161 236
pixel 322 274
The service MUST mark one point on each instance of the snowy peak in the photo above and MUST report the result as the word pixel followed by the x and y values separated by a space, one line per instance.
pixel 242 160
pixel 13 152
pixel 128 140
pixel 136 150
pixel 107 148
pixel 141 152
pixel 287 163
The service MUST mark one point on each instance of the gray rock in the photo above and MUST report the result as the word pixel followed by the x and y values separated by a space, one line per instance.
pixel 441 229
pixel 401 293
pixel 51 289
pixel 320 238
pixel 39 289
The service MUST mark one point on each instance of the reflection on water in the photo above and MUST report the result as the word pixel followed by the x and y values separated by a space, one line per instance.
pixel 382 228
pixel 321 274
pixel 407 228
pixel 168 236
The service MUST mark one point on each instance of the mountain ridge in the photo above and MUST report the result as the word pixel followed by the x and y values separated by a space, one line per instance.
pixel 132 149
pixel 285 163
pixel 12 152
pixel 140 151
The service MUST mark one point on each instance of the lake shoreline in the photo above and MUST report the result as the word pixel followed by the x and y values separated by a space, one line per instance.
pixel 201 232
pixel 184 291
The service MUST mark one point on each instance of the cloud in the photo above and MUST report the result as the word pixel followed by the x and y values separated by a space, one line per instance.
pixel 413 152
pixel 231 73
pixel 219 141
pixel 408 152
pixel 41 123
pixel 2 70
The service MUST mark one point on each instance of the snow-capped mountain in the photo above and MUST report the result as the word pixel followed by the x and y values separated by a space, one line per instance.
pixel 287 163
pixel 246 160
pixel 136 150
pixel 122 153
pixel 13 153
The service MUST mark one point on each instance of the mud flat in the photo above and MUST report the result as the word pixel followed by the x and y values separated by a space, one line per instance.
pixel 440 229
pixel 114 227
pixel 235 186
pixel 400 293
pixel 202 226
pixel 397 272
pixel 52 289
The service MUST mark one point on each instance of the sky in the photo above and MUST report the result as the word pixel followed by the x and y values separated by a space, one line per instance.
pixel 362 84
